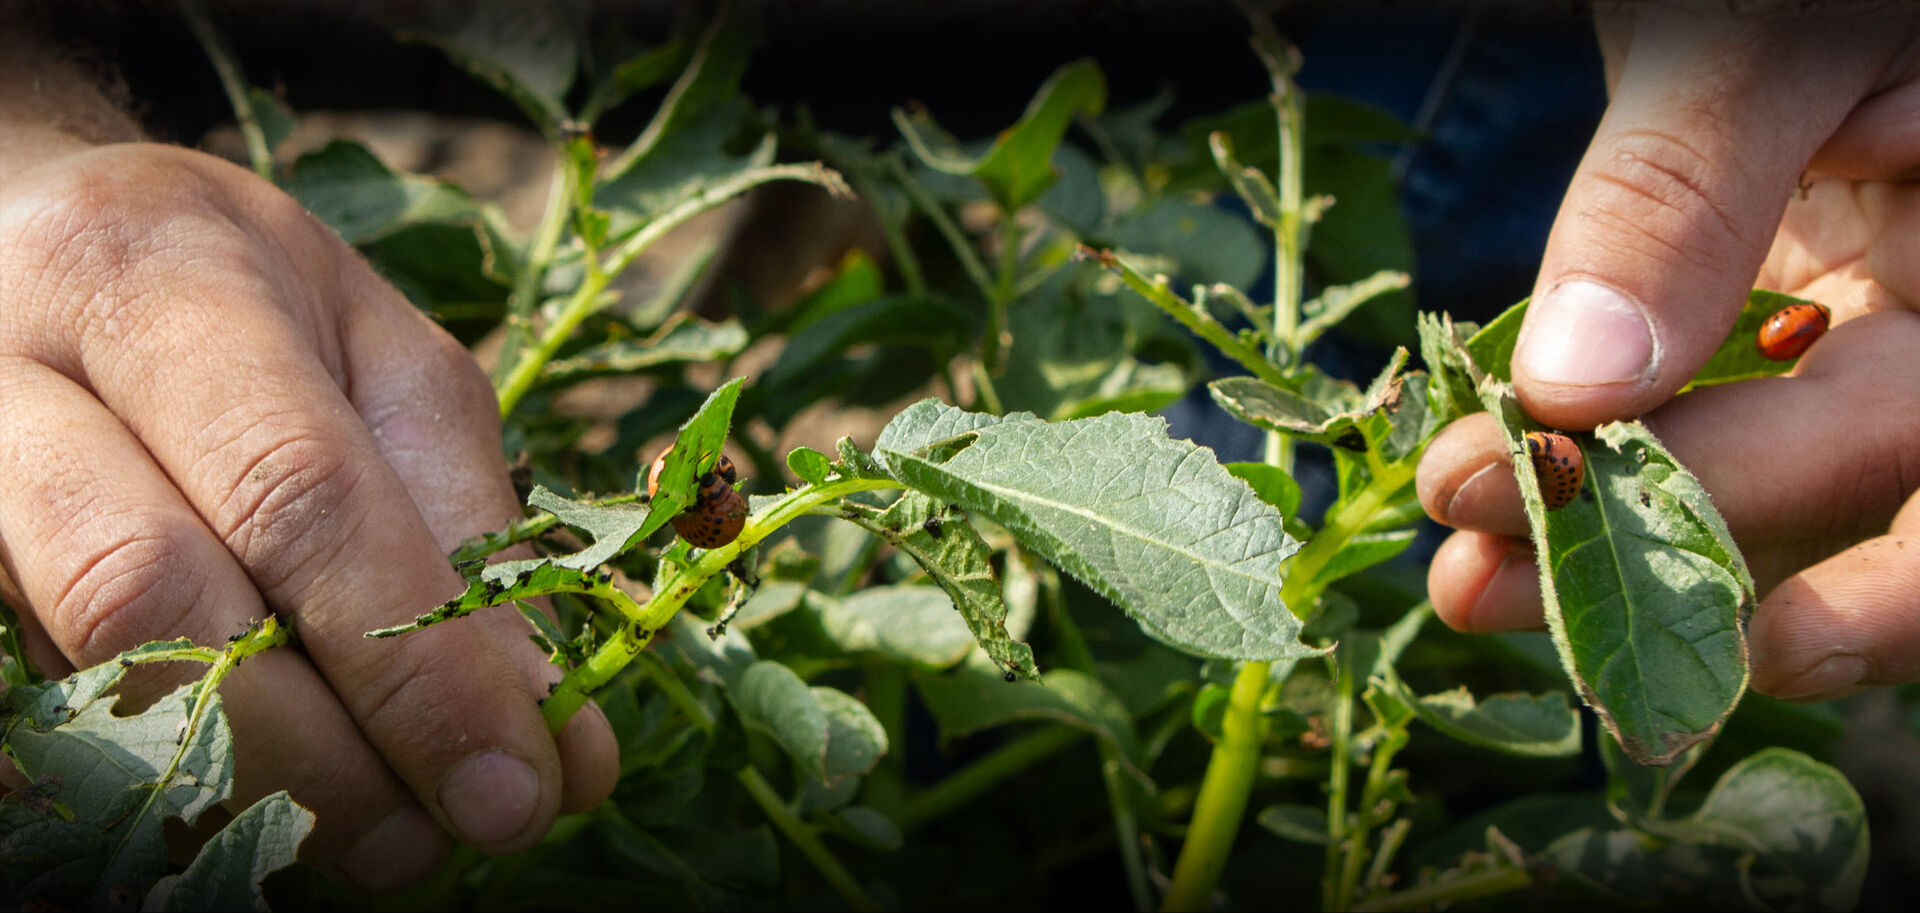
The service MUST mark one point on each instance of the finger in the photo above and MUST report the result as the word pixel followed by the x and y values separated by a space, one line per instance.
pixel 1481 583
pixel 1844 624
pixel 1675 204
pixel 1823 454
pixel 1465 479
pixel 278 464
pixel 106 551
pixel 434 419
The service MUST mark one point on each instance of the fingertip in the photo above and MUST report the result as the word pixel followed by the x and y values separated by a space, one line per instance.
pixel 589 759
pixel 496 802
pixel 1466 481
pixel 1482 583
pixel 1587 353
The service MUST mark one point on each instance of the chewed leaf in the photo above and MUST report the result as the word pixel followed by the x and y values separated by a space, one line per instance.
pixel 227 874
pixel 1154 524
pixel 1323 410
pixel 946 546
pixel 1643 587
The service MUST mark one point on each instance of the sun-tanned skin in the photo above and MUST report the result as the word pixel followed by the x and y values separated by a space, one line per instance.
pixel 213 409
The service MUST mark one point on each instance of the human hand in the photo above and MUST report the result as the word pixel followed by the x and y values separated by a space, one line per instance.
pixel 214 409
pixel 1682 200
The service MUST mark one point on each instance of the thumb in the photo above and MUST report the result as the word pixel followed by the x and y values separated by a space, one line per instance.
pixel 1676 202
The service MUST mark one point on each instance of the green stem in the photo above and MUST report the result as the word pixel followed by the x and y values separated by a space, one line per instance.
pixel 805 840
pixel 676 692
pixel 1196 319
pixel 1303 584
pixel 1486 883
pixel 994 345
pixel 1289 255
pixel 1224 790
pixel 588 297
pixel 630 638
pixel 561 191
pixel 956 239
pixel 1340 839
pixel 981 776
pixel 234 83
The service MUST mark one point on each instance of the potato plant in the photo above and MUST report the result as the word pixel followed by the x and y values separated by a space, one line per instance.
pixel 1027 646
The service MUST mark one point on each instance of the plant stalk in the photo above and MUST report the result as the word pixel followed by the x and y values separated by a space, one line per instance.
pixel 630 638
pixel 234 83
pixel 981 776
pixel 805 839
pixel 1222 802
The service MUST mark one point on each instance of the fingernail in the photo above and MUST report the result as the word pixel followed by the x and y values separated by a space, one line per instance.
pixel 1834 677
pixel 400 852
pixel 1488 495
pixel 1581 333
pixel 490 797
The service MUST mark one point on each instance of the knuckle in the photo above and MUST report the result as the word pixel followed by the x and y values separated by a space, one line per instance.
pixel 1661 188
pixel 125 592
pixel 93 238
pixel 289 506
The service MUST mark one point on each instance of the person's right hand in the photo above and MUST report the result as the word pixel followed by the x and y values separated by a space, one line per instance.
pixel 1682 199
pixel 212 409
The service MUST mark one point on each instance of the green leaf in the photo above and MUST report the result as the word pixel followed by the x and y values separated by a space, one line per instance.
pixel 346 186
pixel 637 73
pixel 830 734
pixel 1209 711
pixel 906 624
pixel 1018 168
pixel 1155 525
pixel 1530 725
pixel 677 343
pixel 1779 831
pixel 1207 244
pixel 1253 185
pixel 1801 817
pixel 950 550
pixel 1738 357
pixel 1299 823
pixel 1644 589
pixel 809 465
pixel 1272 484
pixel 1325 411
pixel 276 119
pixel 974 697
pixel 1361 235
pixel 525 51
pixel 227 874
pixel 1335 302
pixel 1365 550
pixel 1454 390
pixel 105 784
pixel 1491 348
